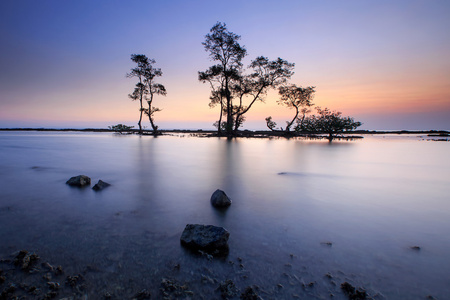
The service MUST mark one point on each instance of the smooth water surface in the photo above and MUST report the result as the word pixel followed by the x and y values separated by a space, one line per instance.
pixel 372 199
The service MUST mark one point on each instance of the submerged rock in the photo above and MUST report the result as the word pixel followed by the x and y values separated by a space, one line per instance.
pixel 25 259
pixel 220 199
pixel 80 181
pixel 100 185
pixel 250 293
pixel 353 293
pixel 205 237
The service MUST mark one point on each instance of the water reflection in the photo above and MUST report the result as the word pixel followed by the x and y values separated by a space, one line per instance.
pixel 372 199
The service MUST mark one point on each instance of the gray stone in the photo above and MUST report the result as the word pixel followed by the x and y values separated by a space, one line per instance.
pixel 100 185
pixel 220 199
pixel 205 237
pixel 80 180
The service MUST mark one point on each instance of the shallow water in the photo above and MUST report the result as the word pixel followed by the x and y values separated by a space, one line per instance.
pixel 372 199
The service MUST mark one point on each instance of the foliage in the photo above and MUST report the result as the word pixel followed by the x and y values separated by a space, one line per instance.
pixel 293 97
pixel 146 88
pixel 120 128
pixel 329 122
pixel 230 87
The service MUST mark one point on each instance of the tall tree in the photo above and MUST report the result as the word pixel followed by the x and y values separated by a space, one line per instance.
pixel 297 98
pixel 265 74
pixel 146 88
pixel 223 48
pixel 140 89
pixel 228 81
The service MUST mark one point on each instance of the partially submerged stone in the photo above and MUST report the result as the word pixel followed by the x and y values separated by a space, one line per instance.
pixel 100 185
pixel 205 237
pixel 80 181
pixel 220 199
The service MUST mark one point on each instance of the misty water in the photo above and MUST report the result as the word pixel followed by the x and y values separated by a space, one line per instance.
pixel 301 209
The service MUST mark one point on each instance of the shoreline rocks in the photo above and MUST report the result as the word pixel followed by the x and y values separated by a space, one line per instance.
pixel 205 237
pixel 219 199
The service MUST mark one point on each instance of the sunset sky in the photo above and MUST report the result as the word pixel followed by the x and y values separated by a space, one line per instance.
pixel 63 63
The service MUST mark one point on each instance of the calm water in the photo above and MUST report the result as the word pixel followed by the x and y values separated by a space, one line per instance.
pixel 372 199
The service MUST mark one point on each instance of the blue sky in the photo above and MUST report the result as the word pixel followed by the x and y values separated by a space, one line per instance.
pixel 63 63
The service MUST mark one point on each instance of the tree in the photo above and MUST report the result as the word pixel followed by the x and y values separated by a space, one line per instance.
pixel 223 48
pixel 265 74
pixel 228 81
pixel 146 88
pixel 120 128
pixel 329 122
pixel 294 97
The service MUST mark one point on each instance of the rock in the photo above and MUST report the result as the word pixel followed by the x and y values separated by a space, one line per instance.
pixel 220 199
pixel 227 289
pixel 100 185
pixel 250 293
pixel 25 259
pixel 80 180
pixel 353 293
pixel 205 237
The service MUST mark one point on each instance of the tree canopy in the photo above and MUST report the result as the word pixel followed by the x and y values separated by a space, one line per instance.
pixel 329 122
pixel 232 89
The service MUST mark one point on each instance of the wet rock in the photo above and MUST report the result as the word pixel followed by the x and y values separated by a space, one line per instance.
pixel 219 199
pixel 250 293
pixel 353 293
pixel 227 289
pixel 53 285
pixel 171 289
pixel 25 259
pixel 80 181
pixel 8 292
pixel 205 237
pixel 100 185
pixel 144 294
pixel 73 281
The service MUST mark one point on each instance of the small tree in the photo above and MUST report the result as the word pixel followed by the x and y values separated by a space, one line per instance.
pixel 294 97
pixel 146 88
pixel 330 122
pixel 120 128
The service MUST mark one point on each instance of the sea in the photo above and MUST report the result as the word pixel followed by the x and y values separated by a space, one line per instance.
pixel 307 216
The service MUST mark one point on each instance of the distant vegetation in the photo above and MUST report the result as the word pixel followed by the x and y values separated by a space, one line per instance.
pixel 120 128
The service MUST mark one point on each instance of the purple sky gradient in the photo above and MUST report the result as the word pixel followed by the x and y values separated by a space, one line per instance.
pixel 63 63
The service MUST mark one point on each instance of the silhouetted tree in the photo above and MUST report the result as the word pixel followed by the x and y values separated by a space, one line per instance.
pixel 294 97
pixel 223 48
pixel 146 88
pixel 228 81
pixel 265 74
pixel 120 128
pixel 329 122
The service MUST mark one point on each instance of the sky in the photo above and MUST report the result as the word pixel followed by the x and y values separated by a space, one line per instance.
pixel 63 64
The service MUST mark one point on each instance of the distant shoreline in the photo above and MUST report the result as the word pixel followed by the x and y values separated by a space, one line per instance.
pixel 243 133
